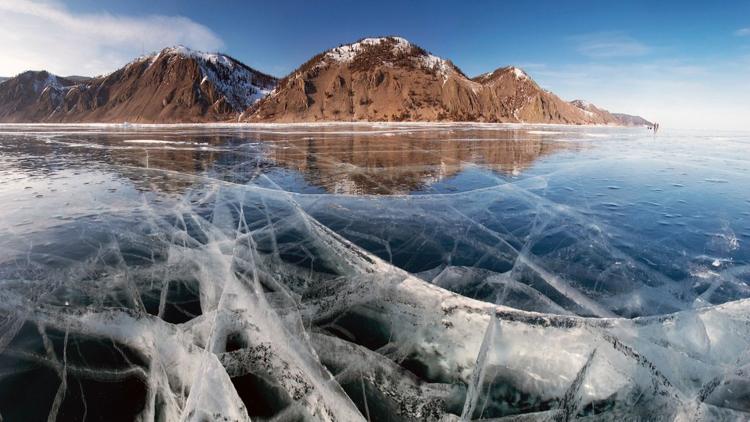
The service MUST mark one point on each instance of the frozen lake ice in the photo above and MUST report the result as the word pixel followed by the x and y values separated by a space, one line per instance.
pixel 373 272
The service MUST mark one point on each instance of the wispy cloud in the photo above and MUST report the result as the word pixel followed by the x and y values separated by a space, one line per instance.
pixel 680 93
pixel 609 45
pixel 46 35
pixel 742 32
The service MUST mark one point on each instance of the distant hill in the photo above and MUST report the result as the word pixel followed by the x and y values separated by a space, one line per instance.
pixel 374 79
pixel 628 120
pixel 32 96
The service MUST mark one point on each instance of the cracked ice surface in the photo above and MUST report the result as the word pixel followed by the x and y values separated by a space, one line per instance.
pixel 373 272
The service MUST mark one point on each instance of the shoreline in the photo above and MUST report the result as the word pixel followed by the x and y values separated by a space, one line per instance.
pixel 322 124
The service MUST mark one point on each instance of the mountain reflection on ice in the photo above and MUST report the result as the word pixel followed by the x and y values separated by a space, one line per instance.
pixel 384 272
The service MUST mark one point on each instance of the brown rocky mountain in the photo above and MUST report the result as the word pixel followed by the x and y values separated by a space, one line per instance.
pixel 32 96
pixel 606 117
pixel 391 79
pixel 594 112
pixel 629 120
pixel 175 85
pixel 374 79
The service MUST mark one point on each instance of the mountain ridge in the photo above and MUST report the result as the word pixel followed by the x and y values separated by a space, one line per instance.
pixel 373 79
pixel 391 79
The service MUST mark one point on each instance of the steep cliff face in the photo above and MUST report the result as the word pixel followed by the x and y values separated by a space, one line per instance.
pixel 391 79
pixel 176 85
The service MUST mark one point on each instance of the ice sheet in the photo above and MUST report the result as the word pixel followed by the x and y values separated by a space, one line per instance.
pixel 187 286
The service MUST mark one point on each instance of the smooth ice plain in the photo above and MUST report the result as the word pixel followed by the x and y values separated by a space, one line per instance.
pixel 381 272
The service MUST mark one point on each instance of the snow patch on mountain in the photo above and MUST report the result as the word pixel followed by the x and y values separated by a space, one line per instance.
pixel 518 73
pixel 240 85
pixel 485 75
pixel 50 82
pixel 586 107
pixel 182 51
pixel 434 62
pixel 349 52
pixel 582 104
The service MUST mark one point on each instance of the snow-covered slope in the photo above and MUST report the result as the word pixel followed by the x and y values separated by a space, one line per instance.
pixel 241 85
pixel 515 71
pixel 390 50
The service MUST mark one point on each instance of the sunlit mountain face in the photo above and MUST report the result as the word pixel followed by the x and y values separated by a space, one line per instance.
pixel 373 272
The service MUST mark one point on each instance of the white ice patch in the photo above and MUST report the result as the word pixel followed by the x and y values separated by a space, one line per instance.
pixel 543 132
pixel 160 142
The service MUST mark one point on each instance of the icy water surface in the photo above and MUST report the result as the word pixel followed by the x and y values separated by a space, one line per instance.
pixel 373 272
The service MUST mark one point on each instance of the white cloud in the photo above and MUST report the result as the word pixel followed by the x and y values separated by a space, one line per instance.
pixel 46 35
pixel 609 44
pixel 742 32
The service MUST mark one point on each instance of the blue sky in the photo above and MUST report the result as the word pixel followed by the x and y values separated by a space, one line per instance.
pixel 686 64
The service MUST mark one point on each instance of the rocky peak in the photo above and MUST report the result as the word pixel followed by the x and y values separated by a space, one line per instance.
pixel 390 51
pixel 182 52
pixel 505 74
pixel 582 104
pixel 239 84
pixel 39 81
